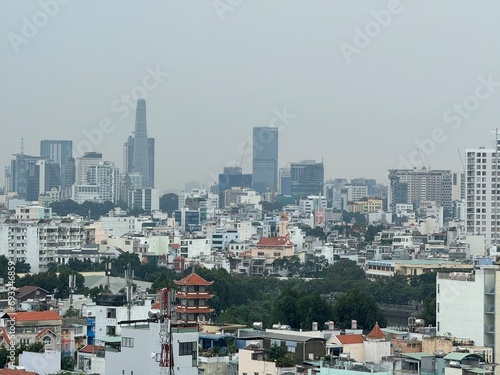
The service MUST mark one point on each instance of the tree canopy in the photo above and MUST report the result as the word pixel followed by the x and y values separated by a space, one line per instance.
pixel 357 305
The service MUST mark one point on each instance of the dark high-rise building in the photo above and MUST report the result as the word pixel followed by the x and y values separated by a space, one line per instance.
pixel 130 157
pixel 25 174
pixel 61 152
pixel 285 182
pixel 232 177
pixel 50 175
pixel 141 154
pixel 307 178
pixel 265 159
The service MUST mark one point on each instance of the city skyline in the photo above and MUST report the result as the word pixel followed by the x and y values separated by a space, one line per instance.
pixel 403 90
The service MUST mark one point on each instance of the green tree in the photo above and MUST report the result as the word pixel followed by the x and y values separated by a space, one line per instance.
pixel 315 232
pixel 301 309
pixel 429 311
pixel 372 231
pixel 342 276
pixel 169 203
pixel 281 356
pixel 358 305
pixel 22 266
pixel 68 363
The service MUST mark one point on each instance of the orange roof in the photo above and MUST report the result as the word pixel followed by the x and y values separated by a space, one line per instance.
pixel 376 333
pixel 6 371
pixel 350 339
pixel 90 348
pixel 274 241
pixel 22 316
pixel 193 279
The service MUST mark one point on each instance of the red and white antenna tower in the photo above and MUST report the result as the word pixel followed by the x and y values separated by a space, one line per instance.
pixel 166 349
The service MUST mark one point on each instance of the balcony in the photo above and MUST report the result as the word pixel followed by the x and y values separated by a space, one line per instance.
pixel 489 328
pixel 489 309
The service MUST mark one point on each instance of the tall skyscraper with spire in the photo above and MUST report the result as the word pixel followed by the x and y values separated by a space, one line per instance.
pixel 139 149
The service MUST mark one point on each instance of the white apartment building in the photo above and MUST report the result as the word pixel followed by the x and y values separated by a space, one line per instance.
pixel 466 305
pixel 140 350
pixel 194 247
pixel 88 160
pixel 356 192
pixel 106 318
pixel 82 193
pixel 308 204
pixel 37 242
pixel 33 213
pixel 482 194
pixel 117 226
pixel 221 238
pixel 106 176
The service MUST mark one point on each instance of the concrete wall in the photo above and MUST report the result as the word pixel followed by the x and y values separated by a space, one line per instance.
pixel 375 350
pixel 460 308
pixel 431 345
pixel 41 363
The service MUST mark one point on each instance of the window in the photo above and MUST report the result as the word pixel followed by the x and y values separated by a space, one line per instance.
pixel 187 348
pixel 127 342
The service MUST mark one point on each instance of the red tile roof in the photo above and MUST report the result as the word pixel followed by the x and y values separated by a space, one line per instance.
pixel 22 316
pixel 274 241
pixel 6 371
pixel 193 279
pixel 350 339
pixel 376 333
pixel 90 348
pixel 175 246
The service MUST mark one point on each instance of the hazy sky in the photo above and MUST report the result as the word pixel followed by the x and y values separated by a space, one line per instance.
pixel 357 83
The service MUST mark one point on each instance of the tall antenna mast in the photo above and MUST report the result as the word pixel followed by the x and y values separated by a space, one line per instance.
pixel 128 279
pixel 22 146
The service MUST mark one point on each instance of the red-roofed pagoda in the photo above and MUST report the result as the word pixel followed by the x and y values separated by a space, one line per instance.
pixel 193 299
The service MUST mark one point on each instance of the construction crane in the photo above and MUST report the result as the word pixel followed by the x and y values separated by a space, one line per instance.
pixel 243 156
pixel 461 160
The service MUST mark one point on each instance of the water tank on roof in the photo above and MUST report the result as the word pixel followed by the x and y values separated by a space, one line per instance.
pixel 154 314
pixel 258 326
pixel 455 364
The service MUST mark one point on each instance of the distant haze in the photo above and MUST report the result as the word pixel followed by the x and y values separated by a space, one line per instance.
pixel 212 72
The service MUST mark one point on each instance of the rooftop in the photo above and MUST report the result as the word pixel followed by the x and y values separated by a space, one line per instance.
pixel 25 316
pixel 350 339
pixel 193 279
